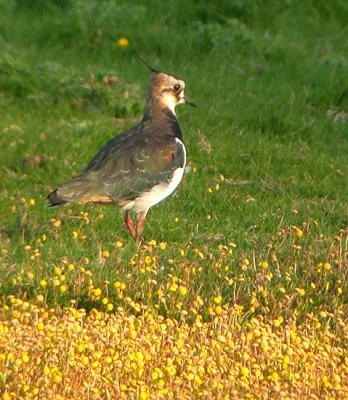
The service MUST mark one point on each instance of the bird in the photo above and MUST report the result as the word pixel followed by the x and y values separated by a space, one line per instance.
pixel 140 167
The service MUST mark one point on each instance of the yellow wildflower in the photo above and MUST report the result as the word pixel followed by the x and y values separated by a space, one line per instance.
pixel 122 42
pixel 298 232
pixel 182 291
pixel 58 378
pixel 106 254
pixel 327 266
pixel 63 288
pixel 43 283
pixel 217 299
pixel 264 264
pixel 218 310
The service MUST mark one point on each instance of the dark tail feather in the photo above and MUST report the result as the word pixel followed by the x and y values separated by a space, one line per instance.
pixel 54 199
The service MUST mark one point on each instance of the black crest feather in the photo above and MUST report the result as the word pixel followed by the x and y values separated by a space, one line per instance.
pixel 147 64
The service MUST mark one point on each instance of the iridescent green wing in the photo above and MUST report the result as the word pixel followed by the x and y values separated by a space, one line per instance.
pixel 140 168
pixel 128 165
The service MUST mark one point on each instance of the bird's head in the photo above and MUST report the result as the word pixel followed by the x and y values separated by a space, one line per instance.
pixel 167 91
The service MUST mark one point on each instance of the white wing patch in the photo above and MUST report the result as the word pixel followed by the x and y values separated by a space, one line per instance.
pixel 160 191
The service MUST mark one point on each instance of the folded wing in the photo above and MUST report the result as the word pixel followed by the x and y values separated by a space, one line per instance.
pixel 125 168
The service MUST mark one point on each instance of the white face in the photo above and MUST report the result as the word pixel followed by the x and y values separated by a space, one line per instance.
pixel 173 93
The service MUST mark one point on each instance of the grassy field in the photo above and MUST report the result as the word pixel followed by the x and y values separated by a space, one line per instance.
pixel 240 287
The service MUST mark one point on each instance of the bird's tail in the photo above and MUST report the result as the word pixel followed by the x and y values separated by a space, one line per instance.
pixel 54 199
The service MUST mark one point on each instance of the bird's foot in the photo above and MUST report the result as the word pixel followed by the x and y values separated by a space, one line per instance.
pixel 138 241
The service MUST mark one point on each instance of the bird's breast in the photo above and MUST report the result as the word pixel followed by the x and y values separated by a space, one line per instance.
pixel 162 190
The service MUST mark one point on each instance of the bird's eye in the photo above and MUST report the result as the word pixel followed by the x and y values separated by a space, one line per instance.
pixel 176 87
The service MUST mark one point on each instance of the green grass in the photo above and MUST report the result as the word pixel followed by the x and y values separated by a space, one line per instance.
pixel 270 79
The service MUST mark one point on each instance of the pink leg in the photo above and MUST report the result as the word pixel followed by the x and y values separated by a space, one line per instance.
pixel 129 223
pixel 140 221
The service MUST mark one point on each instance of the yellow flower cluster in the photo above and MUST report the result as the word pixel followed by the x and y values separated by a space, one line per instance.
pixel 74 354
pixel 180 320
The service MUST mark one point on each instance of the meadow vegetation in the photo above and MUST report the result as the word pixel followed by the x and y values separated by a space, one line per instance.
pixel 239 289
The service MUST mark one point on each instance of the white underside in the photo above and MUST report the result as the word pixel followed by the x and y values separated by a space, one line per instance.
pixel 158 192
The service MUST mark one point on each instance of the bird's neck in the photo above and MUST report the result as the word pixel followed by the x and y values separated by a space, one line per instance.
pixel 157 106
pixel 162 116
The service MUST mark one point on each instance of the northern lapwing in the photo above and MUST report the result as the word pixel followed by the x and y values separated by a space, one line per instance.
pixel 140 167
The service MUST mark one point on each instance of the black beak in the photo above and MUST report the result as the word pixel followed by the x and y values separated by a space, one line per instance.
pixel 189 101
